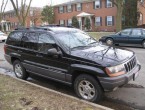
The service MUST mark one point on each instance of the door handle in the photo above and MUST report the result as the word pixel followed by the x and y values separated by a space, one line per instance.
pixel 38 55
pixel 20 51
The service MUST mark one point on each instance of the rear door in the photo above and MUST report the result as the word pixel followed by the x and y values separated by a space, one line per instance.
pixel 123 36
pixel 136 36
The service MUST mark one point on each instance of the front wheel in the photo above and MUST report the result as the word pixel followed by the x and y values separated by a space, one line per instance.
pixel 87 88
pixel 19 70
pixel 109 42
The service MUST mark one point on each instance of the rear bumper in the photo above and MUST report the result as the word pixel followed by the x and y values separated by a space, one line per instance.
pixel 110 83
pixel 8 58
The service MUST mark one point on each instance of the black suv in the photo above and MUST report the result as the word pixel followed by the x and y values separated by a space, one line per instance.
pixel 70 56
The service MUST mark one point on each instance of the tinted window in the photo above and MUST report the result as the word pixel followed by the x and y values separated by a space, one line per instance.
pixel 45 42
pixel 126 32
pixel 15 38
pixel 30 40
pixel 143 31
pixel 136 32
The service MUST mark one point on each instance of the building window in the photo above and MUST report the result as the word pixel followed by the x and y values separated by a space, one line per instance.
pixel 109 4
pixel 31 12
pixel 61 22
pixel 109 20
pixel 97 4
pixel 98 21
pixel 61 9
pixel 69 8
pixel 69 22
pixel 79 7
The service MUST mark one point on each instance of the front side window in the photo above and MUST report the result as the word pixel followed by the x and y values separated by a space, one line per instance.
pixel 136 32
pixel 126 32
pixel 45 43
pixel 69 8
pixel 98 21
pixel 79 7
pixel 61 9
pixel 97 4
pixel 109 20
pixel 108 3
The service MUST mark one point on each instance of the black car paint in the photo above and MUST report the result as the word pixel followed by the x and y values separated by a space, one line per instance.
pixel 64 67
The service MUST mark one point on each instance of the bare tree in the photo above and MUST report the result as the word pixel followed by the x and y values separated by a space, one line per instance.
pixel 2 9
pixel 119 4
pixel 35 16
pixel 22 11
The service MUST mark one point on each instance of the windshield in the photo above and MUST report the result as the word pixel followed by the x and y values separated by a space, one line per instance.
pixel 75 39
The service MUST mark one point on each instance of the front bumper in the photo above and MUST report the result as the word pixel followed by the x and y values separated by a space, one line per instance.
pixel 110 83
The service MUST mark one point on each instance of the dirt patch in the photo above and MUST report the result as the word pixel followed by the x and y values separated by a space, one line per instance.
pixel 133 86
pixel 15 95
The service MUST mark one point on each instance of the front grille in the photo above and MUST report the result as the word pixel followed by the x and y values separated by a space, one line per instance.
pixel 130 64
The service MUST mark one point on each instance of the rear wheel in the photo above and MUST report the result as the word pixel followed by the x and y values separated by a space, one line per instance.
pixel 19 70
pixel 143 44
pixel 87 88
pixel 109 42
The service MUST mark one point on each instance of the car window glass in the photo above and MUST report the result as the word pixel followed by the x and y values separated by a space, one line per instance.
pixel 15 38
pixel 45 43
pixel 30 40
pixel 136 32
pixel 126 32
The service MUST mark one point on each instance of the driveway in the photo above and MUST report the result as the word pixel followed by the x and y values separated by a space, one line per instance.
pixel 133 94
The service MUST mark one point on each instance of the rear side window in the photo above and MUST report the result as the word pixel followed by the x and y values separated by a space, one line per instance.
pixel 15 38
pixel 30 40
pixel 126 32
pixel 143 31
pixel 136 32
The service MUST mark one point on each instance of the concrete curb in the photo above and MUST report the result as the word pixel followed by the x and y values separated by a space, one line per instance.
pixel 65 95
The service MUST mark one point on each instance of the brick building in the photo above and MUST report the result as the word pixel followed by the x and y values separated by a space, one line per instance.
pixel 10 19
pixel 102 14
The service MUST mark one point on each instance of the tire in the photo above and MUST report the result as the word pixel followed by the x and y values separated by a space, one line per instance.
pixel 3 40
pixel 143 44
pixel 91 86
pixel 19 70
pixel 109 42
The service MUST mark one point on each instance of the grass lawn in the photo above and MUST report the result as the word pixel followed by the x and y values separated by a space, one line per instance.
pixel 98 35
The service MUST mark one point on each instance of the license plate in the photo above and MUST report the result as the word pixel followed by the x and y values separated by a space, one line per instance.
pixel 135 75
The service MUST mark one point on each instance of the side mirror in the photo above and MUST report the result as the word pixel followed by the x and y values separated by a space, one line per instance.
pixel 53 51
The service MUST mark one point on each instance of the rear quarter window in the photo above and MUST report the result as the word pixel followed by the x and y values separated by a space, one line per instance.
pixel 15 38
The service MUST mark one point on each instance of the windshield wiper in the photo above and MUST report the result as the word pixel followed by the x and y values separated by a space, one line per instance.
pixel 78 47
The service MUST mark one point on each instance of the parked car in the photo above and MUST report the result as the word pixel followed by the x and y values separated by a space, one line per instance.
pixel 3 36
pixel 132 36
pixel 70 56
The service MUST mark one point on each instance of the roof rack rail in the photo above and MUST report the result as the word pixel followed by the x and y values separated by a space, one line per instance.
pixel 57 25
pixel 33 28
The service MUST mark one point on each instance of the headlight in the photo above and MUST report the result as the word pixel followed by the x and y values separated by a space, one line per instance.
pixel 116 70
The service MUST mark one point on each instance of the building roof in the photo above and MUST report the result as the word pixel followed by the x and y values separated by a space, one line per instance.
pixel 73 2
pixel 84 14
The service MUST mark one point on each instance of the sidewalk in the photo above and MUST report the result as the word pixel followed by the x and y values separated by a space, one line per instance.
pixel 19 94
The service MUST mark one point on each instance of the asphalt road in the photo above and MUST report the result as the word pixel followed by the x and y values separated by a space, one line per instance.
pixel 131 95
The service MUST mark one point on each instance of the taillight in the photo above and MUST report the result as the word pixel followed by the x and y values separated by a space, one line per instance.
pixel 5 46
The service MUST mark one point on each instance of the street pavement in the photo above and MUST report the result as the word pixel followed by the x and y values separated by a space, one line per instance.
pixel 133 94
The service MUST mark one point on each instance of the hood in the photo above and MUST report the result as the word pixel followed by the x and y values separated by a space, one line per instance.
pixel 103 55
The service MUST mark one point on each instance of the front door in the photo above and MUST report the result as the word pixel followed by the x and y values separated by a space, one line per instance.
pixel 123 37
pixel 52 66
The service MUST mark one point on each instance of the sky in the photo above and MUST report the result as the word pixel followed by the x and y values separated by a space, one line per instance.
pixel 37 3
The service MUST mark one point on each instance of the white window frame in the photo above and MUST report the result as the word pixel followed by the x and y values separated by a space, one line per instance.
pixel 61 9
pixel 109 20
pixel 109 4
pixel 79 7
pixel 61 22
pixel 69 8
pixel 98 21
pixel 97 4
pixel 69 22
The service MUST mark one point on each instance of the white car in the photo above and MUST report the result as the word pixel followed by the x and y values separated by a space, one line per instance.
pixel 3 36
